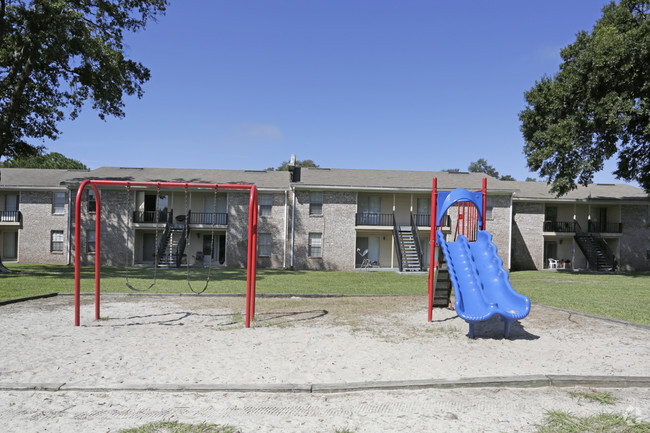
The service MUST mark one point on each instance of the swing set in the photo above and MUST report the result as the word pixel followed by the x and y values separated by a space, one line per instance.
pixel 252 237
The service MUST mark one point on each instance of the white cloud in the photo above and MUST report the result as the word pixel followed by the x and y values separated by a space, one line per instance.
pixel 256 134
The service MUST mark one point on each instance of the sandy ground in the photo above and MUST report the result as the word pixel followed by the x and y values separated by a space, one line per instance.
pixel 158 340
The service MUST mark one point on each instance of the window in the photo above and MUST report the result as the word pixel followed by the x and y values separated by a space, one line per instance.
pixel 316 203
pixel 56 246
pixel 264 244
pixel 266 204
pixel 92 202
pixel 315 245
pixel 489 206
pixel 90 241
pixel 58 203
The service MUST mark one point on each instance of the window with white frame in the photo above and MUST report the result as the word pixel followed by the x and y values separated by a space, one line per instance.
pixel 315 245
pixel 316 203
pixel 266 204
pixel 58 203
pixel 264 244
pixel 489 206
pixel 92 201
pixel 90 241
pixel 56 246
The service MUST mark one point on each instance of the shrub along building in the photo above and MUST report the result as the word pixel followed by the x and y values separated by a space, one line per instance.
pixel 314 218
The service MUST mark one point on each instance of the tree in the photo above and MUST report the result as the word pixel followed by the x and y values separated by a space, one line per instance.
pixel 531 179
pixel 481 166
pixel 44 160
pixel 285 165
pixel 55 55
pixel 597 105
pixel 507 177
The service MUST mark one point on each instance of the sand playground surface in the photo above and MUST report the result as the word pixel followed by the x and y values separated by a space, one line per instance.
pixel 154 358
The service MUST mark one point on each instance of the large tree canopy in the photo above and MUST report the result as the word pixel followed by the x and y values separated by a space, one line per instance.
pixel 52 160
pixel 597 105
pixel 55 55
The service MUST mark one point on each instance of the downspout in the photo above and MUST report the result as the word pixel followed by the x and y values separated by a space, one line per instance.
pixel 69 234
pixel 293 225
pixel 284 243
pixel 510 234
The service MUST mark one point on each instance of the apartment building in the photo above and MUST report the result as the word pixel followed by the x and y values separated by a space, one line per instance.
pixel 313 218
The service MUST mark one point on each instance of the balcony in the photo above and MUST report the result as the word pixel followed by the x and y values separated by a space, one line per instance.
pixel 598 227
pixel 374 219
pixel 149 217
pixel 560 226
pixel 11 216
pixel 209 218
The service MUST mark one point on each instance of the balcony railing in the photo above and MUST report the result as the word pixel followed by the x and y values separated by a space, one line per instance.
pixel 374 219
pixel 422 220
pixel 209 218
pixel 598 227
pixel 149 216
pixel 560 226
pixel 10 216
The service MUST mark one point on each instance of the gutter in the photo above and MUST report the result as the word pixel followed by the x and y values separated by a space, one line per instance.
pixel 69 234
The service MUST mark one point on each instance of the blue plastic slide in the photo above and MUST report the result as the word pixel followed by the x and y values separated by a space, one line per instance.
pixel 480 282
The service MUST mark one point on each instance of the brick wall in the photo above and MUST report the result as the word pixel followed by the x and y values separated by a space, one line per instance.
pixel 635 239
pixel 337 225
pixel 527 238
pixel 34 239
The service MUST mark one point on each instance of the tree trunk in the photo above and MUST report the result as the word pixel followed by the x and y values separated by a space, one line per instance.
pixel 4 269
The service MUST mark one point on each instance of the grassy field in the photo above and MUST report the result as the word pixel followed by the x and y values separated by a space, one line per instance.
pixel 625 297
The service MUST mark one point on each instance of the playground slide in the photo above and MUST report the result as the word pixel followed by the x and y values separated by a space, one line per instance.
pixel 481 283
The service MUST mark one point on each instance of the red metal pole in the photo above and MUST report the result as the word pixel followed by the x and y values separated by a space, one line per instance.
pixel 254 273
pixel 249 265
pixel 484 191
pixel 77 257
pixel 98 237
pixel 432 243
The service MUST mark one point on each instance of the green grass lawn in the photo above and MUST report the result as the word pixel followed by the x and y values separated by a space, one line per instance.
pixel 625 297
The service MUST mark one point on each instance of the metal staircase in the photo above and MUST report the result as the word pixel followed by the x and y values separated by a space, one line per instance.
pixel 598 254
pixel 171 246
pixel 410 256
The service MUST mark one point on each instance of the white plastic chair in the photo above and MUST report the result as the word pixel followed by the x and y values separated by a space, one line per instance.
pixel 366 263
pixel 553 263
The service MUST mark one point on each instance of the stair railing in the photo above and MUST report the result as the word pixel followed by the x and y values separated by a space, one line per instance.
pixel 416 239
pixel 180 248
pixel 162 242
pixel 609 254
pixel 398 246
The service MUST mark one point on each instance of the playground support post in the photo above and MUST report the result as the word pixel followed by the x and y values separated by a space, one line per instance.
pixel 432 243
pixel 252 237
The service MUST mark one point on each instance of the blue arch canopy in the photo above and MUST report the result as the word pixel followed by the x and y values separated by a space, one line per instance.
pixel 447 199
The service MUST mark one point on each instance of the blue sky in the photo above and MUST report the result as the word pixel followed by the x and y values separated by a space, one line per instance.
pixel 403 84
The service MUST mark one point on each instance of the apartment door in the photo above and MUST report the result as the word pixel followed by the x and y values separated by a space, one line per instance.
pixel 209 209
pixel 149 246
pixel 10 245
pixel 423 212
pixel 11 206
pixel 550 251
pixel 218 251
pixel 370 209
pixel 370 243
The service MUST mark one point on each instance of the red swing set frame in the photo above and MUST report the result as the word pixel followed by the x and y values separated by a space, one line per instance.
pixel 252 236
